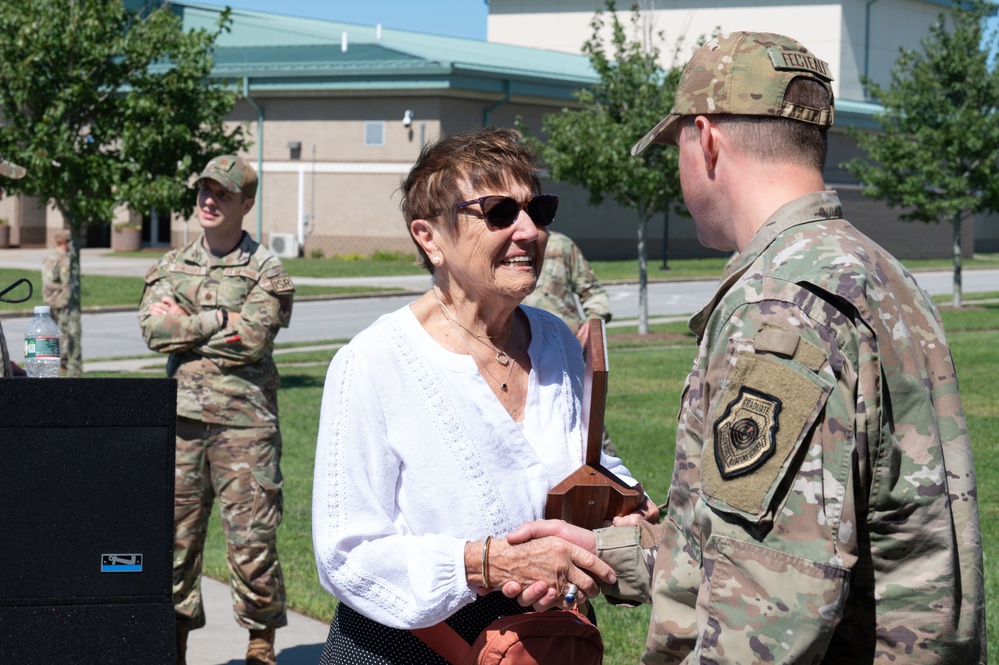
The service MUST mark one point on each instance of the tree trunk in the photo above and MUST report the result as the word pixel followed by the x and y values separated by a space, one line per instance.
pixel 643 280
pixel 956 221
pixel 74 329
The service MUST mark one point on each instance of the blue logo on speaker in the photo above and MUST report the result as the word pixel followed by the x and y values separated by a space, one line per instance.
pixel 121 563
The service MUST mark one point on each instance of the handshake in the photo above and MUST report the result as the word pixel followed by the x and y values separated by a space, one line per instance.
pixel 546 562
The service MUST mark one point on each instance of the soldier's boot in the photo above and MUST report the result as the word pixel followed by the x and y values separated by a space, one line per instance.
pixel 261 648
pixel 182 646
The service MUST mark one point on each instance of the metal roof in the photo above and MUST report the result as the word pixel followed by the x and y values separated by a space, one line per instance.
pixel 290 53
pixel 283 54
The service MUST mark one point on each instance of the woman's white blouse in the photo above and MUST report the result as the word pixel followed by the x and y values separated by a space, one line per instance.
pixel 416 456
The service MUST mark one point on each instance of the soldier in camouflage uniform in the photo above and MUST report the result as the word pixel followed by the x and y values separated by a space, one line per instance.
pixel 55 288
pixel 8 367
pixel 565 275
pixel 823 504
pixel 216 306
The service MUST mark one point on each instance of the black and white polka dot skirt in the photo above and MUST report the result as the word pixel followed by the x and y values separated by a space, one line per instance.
pixel 355 639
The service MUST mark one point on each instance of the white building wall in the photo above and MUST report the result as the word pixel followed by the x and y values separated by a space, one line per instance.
pixel 837 32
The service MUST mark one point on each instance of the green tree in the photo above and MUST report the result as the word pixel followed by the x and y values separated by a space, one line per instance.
pixel 108 107
pixel 937 153
pixel 591 146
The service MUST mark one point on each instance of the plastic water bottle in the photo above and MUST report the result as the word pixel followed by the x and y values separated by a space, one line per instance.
pixel 41 345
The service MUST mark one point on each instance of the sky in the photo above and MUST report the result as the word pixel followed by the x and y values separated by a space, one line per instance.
pixel 453 18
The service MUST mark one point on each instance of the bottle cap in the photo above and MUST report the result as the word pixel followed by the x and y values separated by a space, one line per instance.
pixel 42 309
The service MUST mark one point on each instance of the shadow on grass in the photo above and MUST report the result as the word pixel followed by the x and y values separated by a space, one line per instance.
pixel 292 380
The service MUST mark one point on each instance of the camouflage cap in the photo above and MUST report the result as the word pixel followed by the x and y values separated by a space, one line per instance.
pixel 232 173
pixel 743 73
pixel 11 170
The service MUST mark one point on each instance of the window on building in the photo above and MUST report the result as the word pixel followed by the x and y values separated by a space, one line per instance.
pixel 374 133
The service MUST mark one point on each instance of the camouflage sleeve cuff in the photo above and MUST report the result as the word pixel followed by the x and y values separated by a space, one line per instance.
pixel 622 548
pixel 209 322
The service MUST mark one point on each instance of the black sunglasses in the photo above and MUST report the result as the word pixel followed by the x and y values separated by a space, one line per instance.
pixel 502 211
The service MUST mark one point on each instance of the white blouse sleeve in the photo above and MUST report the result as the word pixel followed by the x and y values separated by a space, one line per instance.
pixel 364 555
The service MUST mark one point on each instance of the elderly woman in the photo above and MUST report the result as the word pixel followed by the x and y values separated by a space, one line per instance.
pixel 445 423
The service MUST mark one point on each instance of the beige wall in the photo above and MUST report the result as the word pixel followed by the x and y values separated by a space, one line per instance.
pixel 349 191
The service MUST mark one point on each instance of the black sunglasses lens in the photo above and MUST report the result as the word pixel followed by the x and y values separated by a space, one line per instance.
pixel 542 209
pixel 502 213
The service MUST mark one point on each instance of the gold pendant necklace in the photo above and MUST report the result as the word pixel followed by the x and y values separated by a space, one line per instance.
pixel 502 357
pixel 509 371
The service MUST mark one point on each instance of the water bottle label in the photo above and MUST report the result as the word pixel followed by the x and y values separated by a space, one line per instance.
pixel 41 347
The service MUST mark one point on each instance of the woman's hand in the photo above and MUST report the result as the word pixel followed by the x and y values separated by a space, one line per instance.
pixel 539 561
pixel 549 590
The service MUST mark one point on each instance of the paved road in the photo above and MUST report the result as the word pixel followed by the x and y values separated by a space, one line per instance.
pixel 116 334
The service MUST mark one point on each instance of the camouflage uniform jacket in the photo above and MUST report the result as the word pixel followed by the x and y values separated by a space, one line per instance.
pixel 55 280
pixel 224 376
pixel 565 274
pixel 823 505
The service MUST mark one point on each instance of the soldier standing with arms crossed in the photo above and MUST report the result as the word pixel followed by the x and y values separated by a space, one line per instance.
pixel 55 288
pixel 216 306
pixel 823 506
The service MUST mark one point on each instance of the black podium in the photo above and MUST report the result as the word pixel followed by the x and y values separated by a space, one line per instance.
pixel 86 521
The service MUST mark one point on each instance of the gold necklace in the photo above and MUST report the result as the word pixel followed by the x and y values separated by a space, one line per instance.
pixel 501 355
pixel 454 319
pixel 509 371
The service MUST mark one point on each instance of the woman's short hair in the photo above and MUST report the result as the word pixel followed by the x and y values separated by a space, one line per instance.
pixel 488 157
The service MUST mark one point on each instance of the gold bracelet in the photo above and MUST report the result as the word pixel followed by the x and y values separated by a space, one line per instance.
pixel 485 562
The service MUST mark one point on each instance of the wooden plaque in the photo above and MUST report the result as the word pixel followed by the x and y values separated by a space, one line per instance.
pixel 592 494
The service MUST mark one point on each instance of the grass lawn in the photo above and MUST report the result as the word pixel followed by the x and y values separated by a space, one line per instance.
pixel 104 291
pixel 641 416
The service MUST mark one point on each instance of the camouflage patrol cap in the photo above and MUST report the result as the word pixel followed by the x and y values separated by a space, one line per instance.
pixel 11 170
pixel 232 173
pixel 743 73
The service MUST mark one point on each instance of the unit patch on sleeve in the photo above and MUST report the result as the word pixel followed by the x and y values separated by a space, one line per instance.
pixel 746 434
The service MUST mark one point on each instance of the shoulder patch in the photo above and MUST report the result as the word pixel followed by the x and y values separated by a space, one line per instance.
pixel 276 280
pixel 762 415
pixel 746 434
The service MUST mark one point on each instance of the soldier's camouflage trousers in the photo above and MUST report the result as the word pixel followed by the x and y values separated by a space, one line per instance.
pixel 241 466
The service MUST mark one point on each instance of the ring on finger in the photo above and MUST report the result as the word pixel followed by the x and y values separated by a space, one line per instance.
pixel 571 592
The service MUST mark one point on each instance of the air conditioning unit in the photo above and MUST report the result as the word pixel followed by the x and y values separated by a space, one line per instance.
pixel 284 245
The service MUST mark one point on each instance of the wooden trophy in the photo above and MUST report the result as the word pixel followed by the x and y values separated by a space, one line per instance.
pixel 592 494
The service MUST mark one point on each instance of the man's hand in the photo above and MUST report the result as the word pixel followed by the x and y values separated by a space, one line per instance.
pixel 647 512
pixel 166 305
pixel 578 536
pixel 583 334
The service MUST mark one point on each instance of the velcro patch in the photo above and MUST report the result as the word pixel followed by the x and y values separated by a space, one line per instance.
pixel 746 434
pixel 249 273
pixel 767 408
pixel 152 274
pixel 187 270
pixel 282 284
pixel 796 60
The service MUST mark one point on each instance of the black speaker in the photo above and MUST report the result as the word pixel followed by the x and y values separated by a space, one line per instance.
pixel 86 521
